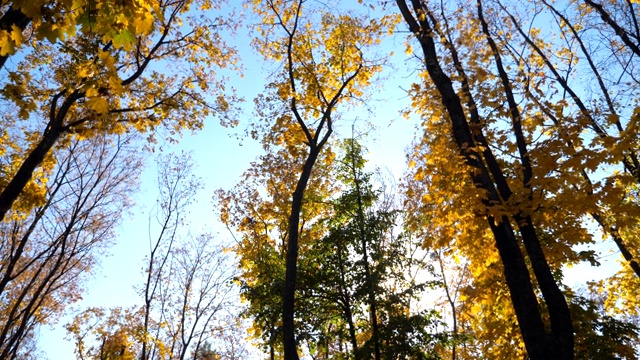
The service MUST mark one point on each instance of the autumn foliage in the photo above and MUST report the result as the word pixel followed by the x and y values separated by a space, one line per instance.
pixel 524 163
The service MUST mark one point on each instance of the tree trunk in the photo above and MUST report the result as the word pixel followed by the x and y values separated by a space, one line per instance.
pixel 288 296
pixel 50 136
pixel 10 193
pixel 539 344
pixel 12 17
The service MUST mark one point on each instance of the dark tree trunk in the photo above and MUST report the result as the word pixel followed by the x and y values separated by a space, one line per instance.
pixel 12 17
pixel 50 136
pixel 489 177
pixel 10 193
pixel 288 296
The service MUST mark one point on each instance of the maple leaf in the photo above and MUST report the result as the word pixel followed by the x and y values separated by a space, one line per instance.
pixel 98 104
pixel 123 39
pixel 6 47
pixel 144 23
pixel 16 35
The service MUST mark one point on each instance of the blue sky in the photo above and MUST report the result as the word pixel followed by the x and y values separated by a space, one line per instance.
pixel 220 159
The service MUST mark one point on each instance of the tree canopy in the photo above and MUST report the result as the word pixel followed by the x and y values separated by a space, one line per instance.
pixel 523 162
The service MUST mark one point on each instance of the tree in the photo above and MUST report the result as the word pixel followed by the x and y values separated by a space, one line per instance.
pixel 353 163
pixel 177 188
pixel 206 353
pixel 534 149
pixel 323 67
pixel 488 176
pixel 186 296
pixel 93 84
pixel 46 255
pixel 116 334
pixel 60 20
pixel 378 269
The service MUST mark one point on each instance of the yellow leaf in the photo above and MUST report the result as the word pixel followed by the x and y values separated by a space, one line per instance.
pixel 143 23
pixel 6 45
pixel 91 92
pixel 16 35
pixel 85 72
pixel 98 104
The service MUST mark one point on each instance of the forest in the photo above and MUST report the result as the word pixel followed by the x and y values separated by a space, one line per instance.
pixel 522 165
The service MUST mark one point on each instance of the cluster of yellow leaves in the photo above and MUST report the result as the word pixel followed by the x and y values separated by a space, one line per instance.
pixel 328 49
pixel 576 172
pixel 620 292
pixel 10 40
pixel 118 22
pixel 444 204
pixel 117 332
pixel 112 76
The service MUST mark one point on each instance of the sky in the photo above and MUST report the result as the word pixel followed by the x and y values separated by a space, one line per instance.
pixel 220 160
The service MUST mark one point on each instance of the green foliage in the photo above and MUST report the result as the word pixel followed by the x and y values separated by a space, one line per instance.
pixel 362 263
pixel 601 336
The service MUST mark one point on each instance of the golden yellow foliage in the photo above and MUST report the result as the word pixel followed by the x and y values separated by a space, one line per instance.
pixel 530 124
pixel 107 78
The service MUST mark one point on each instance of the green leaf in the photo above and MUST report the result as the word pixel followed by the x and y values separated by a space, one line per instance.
pixel 124 39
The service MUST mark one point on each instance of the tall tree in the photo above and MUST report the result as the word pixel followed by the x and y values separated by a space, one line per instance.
pixel 177 188
pixel 92 84
pixel 367 262
pixel 45 256
pixel 490 177
pixel 504 105
pixel 323 66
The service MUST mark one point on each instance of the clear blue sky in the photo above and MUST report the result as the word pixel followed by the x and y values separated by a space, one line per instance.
pixel 220 160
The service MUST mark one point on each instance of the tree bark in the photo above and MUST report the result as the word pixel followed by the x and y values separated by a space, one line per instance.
pixel 539 344
pixel 12 17
pixel 50 136
pixel 288 296
pixel 10 193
